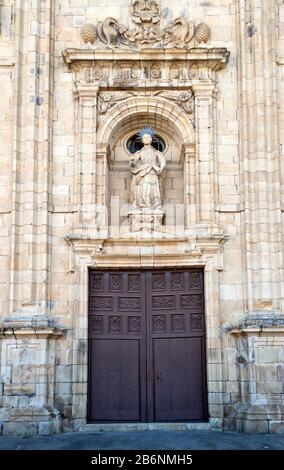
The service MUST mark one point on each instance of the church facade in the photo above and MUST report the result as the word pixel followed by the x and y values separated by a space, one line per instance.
pixel 141 215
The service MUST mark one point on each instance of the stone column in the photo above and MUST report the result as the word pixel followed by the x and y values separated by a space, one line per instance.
pixel 203 93
pixel 87 179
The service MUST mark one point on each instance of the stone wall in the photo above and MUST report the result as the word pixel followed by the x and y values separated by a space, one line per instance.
pixel 51 181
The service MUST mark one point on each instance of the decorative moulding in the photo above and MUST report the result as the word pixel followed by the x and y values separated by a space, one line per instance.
pixel 215 58
pixel 36 326
pixel 175 251
pixel 262 322
pixel 37 333
pixel 155 68
pixel 267 331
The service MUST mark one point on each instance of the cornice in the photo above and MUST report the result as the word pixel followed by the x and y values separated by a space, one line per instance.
pixel 214 58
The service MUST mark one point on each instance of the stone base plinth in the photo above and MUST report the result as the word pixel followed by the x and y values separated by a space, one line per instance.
pixel 146 220
pixel 258 419
pixel 27 422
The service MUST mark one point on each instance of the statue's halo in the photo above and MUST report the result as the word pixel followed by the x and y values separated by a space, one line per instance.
pixel 146 130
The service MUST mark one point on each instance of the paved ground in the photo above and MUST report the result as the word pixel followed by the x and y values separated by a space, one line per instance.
pixel 147 440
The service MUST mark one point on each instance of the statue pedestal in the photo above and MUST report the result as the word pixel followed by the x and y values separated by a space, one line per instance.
pixel 147 220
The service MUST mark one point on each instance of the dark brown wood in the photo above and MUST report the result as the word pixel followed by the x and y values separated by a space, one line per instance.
pixel 117 368
pixel 147 346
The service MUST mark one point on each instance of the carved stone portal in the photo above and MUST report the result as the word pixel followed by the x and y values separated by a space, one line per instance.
pixel 147 166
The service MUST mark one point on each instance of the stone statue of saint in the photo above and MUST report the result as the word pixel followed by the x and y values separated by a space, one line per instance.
pixel 147 166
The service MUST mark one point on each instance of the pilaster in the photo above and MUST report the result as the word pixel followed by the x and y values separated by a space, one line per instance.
pixel 86 159
pixel 203 94
pixel 31 155
pixel 191 191
pixel 261 216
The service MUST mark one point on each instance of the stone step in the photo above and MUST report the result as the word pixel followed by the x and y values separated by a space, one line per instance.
pixel 126 427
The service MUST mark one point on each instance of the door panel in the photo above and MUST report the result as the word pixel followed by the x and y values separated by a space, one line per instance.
pixel 117 386
pixel 115 380
pixel 146 346
pixel 176 343
pixel 178 379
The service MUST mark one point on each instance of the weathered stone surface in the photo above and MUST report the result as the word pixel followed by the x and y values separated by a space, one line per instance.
pixel 20 429
pixel 276 427
pixel 45 428
pixel 258 427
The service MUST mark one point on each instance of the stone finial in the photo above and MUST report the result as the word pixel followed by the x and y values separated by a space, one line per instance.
pixel 89 33
pixel 202 33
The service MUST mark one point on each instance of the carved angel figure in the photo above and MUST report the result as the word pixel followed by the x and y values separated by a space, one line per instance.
pixel 179 32
pixel 111 32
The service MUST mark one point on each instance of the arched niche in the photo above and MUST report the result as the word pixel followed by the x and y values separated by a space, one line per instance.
pixel 123 121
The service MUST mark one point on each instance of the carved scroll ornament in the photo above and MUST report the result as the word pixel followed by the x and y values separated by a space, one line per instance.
pixel 108 99
pixel 184 99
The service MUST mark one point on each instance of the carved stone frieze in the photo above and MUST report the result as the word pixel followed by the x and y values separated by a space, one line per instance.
pixel 146 67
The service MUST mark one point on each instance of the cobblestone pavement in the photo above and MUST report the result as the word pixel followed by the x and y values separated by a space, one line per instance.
pixel 147 440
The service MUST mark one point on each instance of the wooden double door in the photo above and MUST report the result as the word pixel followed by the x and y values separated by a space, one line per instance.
pixel 146 346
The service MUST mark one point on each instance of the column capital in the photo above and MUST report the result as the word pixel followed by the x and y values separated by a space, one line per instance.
pixel 85 91
pixel 204 90
pixel 189 149
pixel 103 149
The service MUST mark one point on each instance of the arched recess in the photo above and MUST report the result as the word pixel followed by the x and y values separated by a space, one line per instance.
pixel 174 125
pixel 157 111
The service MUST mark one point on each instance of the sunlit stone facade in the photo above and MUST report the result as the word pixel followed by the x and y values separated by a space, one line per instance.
pixel 208 77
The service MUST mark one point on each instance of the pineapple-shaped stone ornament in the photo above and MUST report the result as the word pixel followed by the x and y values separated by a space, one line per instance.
pixel 202 33
pixel 89 33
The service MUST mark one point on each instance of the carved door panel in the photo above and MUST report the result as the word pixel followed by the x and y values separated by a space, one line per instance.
pixel 117 390
pixel 177 346
pixel 146 346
